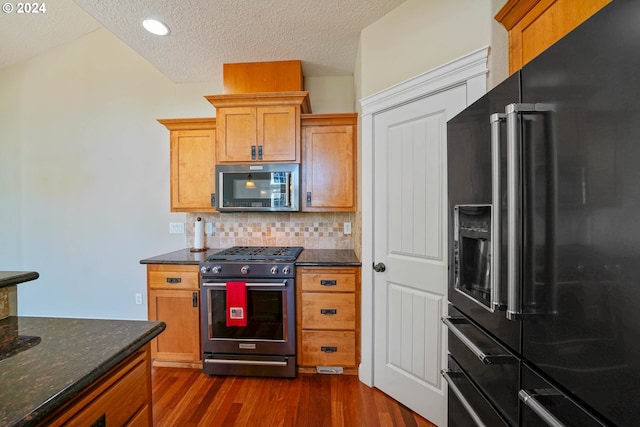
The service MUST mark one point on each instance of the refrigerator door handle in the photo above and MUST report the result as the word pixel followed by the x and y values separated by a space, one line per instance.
pixel 465 403
pixel 514 204
pixel 539 409
pixel 496 120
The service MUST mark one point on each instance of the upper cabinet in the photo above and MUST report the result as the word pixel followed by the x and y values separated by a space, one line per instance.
pixel 534 25
pixel 329 162
pixel 193 160
pixel 259 127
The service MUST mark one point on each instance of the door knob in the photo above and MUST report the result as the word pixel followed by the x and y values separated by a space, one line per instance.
pixel 379 267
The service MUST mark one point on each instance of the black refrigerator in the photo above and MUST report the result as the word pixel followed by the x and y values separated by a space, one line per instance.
pixel 544 237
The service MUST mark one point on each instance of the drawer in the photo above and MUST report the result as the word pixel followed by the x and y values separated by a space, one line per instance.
pixel 121 402
pixel 467 407
pixel 328 280
pixel 328 348
pixel 489 365
pixel 173 277
pixel 328 311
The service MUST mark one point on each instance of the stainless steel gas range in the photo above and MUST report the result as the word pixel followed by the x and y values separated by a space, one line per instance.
pixel 248 311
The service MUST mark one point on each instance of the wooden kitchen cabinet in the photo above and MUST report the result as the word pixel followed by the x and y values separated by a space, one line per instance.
pixel 174 298
pixel 259 127
pixel 329 162
pixel 192 164
pixel 534 25
pixel 121 397
pixel 328 318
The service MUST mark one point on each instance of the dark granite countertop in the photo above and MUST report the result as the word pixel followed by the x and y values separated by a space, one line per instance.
pixel 61 359
pixel 308 257
pixel 9 278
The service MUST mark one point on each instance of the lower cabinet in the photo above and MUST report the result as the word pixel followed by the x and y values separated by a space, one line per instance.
pixel 174 298
pixel 121 397
pixel 328 320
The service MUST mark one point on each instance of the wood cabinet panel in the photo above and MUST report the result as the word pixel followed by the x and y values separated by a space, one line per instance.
pixel 322 281
pixel 534 25
pixel 328 348
pixel 173 277
pixel 328 311
pixel 259 127
pixel 192 163
pixel 174 297
pixel 325 337
pixel 121 397
pixel 329 166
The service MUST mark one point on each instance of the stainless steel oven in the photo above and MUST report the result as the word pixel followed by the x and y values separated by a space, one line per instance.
pixel 264 344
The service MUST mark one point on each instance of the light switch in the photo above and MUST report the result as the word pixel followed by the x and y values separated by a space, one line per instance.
pixel 347 228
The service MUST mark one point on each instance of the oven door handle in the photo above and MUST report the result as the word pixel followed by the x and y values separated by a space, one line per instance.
pixel 249 284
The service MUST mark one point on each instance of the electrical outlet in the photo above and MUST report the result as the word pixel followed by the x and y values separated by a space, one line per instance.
pixel 176 228
pixel 138 299
pixel 347 228
pixel 208 228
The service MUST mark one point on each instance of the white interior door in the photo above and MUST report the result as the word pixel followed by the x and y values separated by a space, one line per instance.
pixel 410 227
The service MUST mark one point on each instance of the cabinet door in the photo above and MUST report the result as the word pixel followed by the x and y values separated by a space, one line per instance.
pixel 278 136
pixel 193 159
pixel 534 25
pixel 180 341
pixel 329 168
pixel 236 134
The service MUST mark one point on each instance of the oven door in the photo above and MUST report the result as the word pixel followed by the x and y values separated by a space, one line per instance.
pixel 270 314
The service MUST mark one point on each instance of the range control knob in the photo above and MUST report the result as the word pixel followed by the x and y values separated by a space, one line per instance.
pixel 286 269
pixel 204 269
pixel 244 269
pixel 216 269
pixel 274 269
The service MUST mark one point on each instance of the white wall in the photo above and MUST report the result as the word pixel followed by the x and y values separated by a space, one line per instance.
pixel 88 191
pixel 84 173
pixel 418 36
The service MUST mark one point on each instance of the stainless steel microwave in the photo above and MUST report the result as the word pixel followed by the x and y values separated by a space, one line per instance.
pixel 258 187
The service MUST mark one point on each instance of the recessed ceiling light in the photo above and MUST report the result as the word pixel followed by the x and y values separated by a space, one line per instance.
pixel 155 27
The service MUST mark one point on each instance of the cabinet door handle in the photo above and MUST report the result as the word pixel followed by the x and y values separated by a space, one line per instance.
pixel 174 279
pixel 194 299
pixel 259 152
pixel 328 282
pixel 308 198
pixel 329 311
pixel 253 152
pixel 328 349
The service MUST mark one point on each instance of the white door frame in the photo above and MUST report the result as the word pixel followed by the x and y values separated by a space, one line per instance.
pixel 470 71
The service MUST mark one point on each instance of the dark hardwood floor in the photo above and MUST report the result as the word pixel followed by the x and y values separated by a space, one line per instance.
pixel 187 397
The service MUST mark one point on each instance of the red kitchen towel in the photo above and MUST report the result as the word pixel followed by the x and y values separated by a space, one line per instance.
pixel 236 304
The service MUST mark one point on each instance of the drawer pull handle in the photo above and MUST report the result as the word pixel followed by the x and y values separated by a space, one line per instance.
pixel 329 349
pixel 486 358
pixel 328 311
pixel 174 279
pixel 328 282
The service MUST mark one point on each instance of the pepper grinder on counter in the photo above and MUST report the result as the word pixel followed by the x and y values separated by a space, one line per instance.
pixel 198 237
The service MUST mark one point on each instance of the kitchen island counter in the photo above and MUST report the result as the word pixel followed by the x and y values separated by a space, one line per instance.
pixel 308 257
pixel 10 278
pixel 63 358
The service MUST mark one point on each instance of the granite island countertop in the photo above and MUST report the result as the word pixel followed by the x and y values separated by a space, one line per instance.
pixel 10 278
pixel 67 356
pixel 308 257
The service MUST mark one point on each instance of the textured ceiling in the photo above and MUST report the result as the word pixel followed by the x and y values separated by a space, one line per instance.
pixel 205 34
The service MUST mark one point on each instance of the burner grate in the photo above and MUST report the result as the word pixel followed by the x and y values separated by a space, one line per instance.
pixel 258 253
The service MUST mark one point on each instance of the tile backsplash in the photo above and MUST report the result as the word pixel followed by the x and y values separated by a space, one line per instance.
pixel 310 230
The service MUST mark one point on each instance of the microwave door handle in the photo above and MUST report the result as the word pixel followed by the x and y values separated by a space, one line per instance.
pixel 496 120
pixel 287 201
